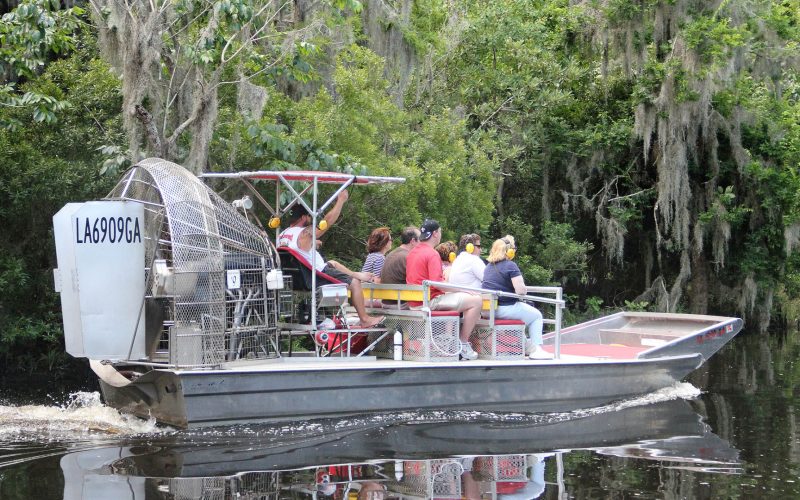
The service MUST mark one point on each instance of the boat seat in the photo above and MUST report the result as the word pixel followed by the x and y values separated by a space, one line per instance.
pixel 296 266
pixel 505 340
pixel 633 337
pixel 427 335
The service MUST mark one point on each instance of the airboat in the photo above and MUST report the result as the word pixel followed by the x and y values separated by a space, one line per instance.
pixel 190 314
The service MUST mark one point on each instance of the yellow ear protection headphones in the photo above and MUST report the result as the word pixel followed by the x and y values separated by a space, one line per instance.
pixel 469 248
pixel 511 251
pixel 451 257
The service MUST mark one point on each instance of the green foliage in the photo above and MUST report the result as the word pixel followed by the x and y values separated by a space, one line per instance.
pixel 31 31
pixel 29 34
pixel 712 37
pixel 357 127
pixel 724 208
pixel 593 306
pixel 46 166
pixel 423 31
pixel 551 252
pixel 558 251
pixel 636 306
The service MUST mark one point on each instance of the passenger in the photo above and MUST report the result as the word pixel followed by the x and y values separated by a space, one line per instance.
pixel 503 274
pixel 378 243
pixel 394 268
pixel 298 237
pixel 467 269
pixel 301 219
pixel 424 263
pixel 371 490
pixel 447 251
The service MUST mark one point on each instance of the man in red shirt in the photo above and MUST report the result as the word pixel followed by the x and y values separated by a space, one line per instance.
pixel 424 263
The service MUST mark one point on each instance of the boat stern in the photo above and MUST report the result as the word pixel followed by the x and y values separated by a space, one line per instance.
pixel 155 394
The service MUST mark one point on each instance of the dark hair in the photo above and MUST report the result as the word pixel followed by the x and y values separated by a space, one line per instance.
pixel 468 238
pixel 445 249
pixel 409 234
pixel 296 212
pixel 378 239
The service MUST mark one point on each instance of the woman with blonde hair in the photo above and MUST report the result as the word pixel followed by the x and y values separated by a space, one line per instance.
pixel 503 275
pixel 378 244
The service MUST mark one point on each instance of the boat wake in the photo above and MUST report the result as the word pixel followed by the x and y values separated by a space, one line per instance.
pixel 681 390
pixel 82 416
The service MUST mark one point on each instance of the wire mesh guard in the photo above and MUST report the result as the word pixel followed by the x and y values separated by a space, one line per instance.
pixel 501 468
pixel 189 488
pixel 500 342
pixel 246 485
pixel 430 479
pixel 209 265
pixel 439 343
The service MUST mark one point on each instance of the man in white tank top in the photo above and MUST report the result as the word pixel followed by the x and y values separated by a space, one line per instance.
pixel 298 237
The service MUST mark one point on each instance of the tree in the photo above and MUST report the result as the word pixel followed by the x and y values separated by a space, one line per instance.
pixel 650 127
pixel 44 166
pixel 175 57
pixel 29 34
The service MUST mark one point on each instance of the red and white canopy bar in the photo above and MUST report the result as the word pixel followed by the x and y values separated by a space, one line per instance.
pixel 306 176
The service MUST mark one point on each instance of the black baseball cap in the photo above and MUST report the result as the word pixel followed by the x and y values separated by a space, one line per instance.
pixel 297 211
pixel 427 229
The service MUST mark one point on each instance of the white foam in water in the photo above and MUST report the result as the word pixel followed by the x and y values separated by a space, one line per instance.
pixel 680 390
pixel 82 416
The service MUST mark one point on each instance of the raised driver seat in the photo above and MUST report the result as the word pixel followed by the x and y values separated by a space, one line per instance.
pixel 331 302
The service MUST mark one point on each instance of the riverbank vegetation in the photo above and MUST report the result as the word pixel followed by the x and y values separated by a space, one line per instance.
pixel 644 153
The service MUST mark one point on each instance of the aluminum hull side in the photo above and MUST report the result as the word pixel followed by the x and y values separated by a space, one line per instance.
pixel 203 398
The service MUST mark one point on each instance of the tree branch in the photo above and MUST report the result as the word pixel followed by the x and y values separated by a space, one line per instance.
pixel 153 138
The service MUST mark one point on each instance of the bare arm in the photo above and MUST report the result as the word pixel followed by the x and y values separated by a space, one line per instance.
pixel 519 285
pixel 333 214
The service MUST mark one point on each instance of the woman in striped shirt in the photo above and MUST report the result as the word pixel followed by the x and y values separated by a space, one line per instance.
pixel 378 244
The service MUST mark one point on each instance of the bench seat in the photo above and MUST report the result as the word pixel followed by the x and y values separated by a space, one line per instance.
pixel 505 341
pixel 636 338
pixel 440 342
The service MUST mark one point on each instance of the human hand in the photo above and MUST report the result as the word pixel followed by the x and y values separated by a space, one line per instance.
pixel 343 196
pixel 365 277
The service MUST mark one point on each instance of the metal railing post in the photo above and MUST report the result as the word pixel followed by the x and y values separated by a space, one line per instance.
pixel 559 309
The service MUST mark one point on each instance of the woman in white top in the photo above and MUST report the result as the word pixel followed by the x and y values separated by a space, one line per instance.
pixel 467 269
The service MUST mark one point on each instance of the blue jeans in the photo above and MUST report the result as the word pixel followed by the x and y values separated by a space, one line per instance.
pixel 526 313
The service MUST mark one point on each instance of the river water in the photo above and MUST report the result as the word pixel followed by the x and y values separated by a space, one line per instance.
pixel 730 431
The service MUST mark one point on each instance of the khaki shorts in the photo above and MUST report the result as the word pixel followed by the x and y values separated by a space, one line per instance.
pixel 453 301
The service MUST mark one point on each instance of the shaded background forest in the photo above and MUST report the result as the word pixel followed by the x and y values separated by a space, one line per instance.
pixel 644 153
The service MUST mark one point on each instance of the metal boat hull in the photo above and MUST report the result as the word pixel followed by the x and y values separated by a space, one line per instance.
pixel 284 391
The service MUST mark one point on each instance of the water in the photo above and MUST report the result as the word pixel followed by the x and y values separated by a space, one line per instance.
pixel 731 431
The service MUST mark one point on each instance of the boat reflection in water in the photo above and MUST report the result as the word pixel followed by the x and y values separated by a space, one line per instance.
pixel 415 455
